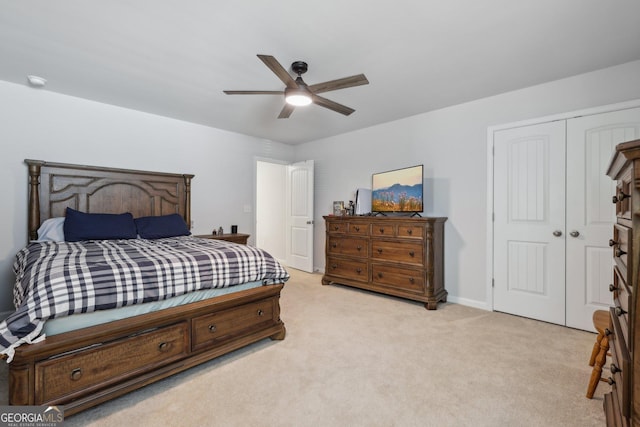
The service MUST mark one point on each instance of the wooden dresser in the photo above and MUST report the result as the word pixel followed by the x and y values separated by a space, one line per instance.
pixel 398 256
pixel 622 404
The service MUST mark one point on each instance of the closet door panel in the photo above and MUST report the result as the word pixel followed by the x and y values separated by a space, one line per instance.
pixel 590 213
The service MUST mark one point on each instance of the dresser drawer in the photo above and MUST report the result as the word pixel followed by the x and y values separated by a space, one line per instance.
pixel 109 363
pixel 357 229
pixel 348 246
pixel 622 295
pixel 212 329
pixel 404 252
pixel 348 269
pixel 410 231
pixel 337 227
pixel 621 198
pixel 620 364
pixel 399 278
pixel 621 248
pixel 383 230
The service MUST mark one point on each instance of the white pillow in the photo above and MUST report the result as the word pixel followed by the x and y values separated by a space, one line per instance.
pixel 52 230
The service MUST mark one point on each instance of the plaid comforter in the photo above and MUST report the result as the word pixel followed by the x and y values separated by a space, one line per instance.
pixel 55 279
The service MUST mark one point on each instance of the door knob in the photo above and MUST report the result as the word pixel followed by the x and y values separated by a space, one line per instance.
pixel 557 233
pixel 575 233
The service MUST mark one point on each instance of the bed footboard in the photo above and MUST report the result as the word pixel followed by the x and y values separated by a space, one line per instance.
pixel 83 368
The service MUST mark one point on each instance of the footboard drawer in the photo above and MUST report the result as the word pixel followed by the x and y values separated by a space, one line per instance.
pixel 104 364
pixel 215 328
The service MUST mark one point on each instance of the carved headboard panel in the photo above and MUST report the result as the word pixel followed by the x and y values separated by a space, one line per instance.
pixel 55 186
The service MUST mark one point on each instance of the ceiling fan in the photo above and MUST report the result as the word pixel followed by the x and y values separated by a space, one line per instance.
pixel 298 93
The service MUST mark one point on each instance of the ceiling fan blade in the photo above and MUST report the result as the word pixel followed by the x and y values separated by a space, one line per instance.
pixel 286 111
pixel 254 92
pixel 278 70
pixel 331 105
pixel 343 83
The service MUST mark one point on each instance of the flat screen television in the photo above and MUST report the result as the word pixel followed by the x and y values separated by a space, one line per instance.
pixel 399 190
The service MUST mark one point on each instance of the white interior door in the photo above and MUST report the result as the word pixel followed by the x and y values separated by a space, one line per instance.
pixel 590 212
pixel 529 222
pixel 299 208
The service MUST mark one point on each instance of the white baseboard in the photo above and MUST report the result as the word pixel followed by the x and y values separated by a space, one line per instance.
pixel 482 305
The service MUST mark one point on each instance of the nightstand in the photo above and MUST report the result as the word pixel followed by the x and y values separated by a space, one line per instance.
pixel 229 237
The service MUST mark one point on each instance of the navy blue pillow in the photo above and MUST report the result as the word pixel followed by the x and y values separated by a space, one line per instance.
pixel 85 226
pixel 157 227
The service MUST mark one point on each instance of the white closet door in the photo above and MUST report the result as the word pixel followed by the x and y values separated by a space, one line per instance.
pixel 529 232
pixel 590 212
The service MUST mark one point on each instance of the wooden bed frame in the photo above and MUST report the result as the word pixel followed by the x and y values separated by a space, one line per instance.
pixel 86 367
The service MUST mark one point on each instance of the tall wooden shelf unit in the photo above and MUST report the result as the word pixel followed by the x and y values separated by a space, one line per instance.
pixel 398 256
pixel 622 404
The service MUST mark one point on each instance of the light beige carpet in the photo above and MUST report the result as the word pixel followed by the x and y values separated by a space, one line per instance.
pixel 355 358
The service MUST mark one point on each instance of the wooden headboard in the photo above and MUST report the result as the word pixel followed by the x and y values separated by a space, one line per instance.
pixel 55 186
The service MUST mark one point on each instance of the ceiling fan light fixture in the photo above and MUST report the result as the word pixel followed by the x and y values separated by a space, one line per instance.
pixel 297 96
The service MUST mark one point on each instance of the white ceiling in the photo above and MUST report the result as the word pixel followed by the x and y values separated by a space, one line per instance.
pixel 175 57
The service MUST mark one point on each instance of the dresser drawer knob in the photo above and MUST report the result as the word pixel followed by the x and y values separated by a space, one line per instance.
pixel 619 311
pixel 612 288
pixel 619 197
pixel 615 369
pixel 409 232
pixel 212 328
pixel 76 374
pixel 334 245
pixel 612 242
pixel 380 275
pixel 163 347
pixel 412 254
pixel 411 280
pixel 260 312
pixel 379 250
pixel 619 252
pixel 381 230
pixel 336 227
pixel 358 270
pixel 334 266
pixel 357 228
pixel 359 248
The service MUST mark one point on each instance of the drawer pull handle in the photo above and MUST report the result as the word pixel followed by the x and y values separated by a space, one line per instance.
pixel 357 228
pixel 409 232
pixel 619 197
pixel 381 230
pixel 359 248
pixel 212 328
pixel 411 280
pixel 619 311
pixel 334 245
pixel 380 275
pixel 612 288
pixel 358 270
pixel 615 369
pixel 76 374
pixel 336 227
pixel 412 254
pixel 610 381
pixel 260 312
pixel 379 250
pixel 619 252
pixel 607 331
pixel 163 347
pixel 612 242
pixel 575 233
pixel 334 266
pixel 557 233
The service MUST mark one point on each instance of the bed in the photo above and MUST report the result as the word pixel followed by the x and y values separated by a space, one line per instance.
pixel 80 368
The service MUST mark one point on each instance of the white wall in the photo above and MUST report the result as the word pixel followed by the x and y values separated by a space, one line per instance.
pixel 42 125
pixel 452 144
